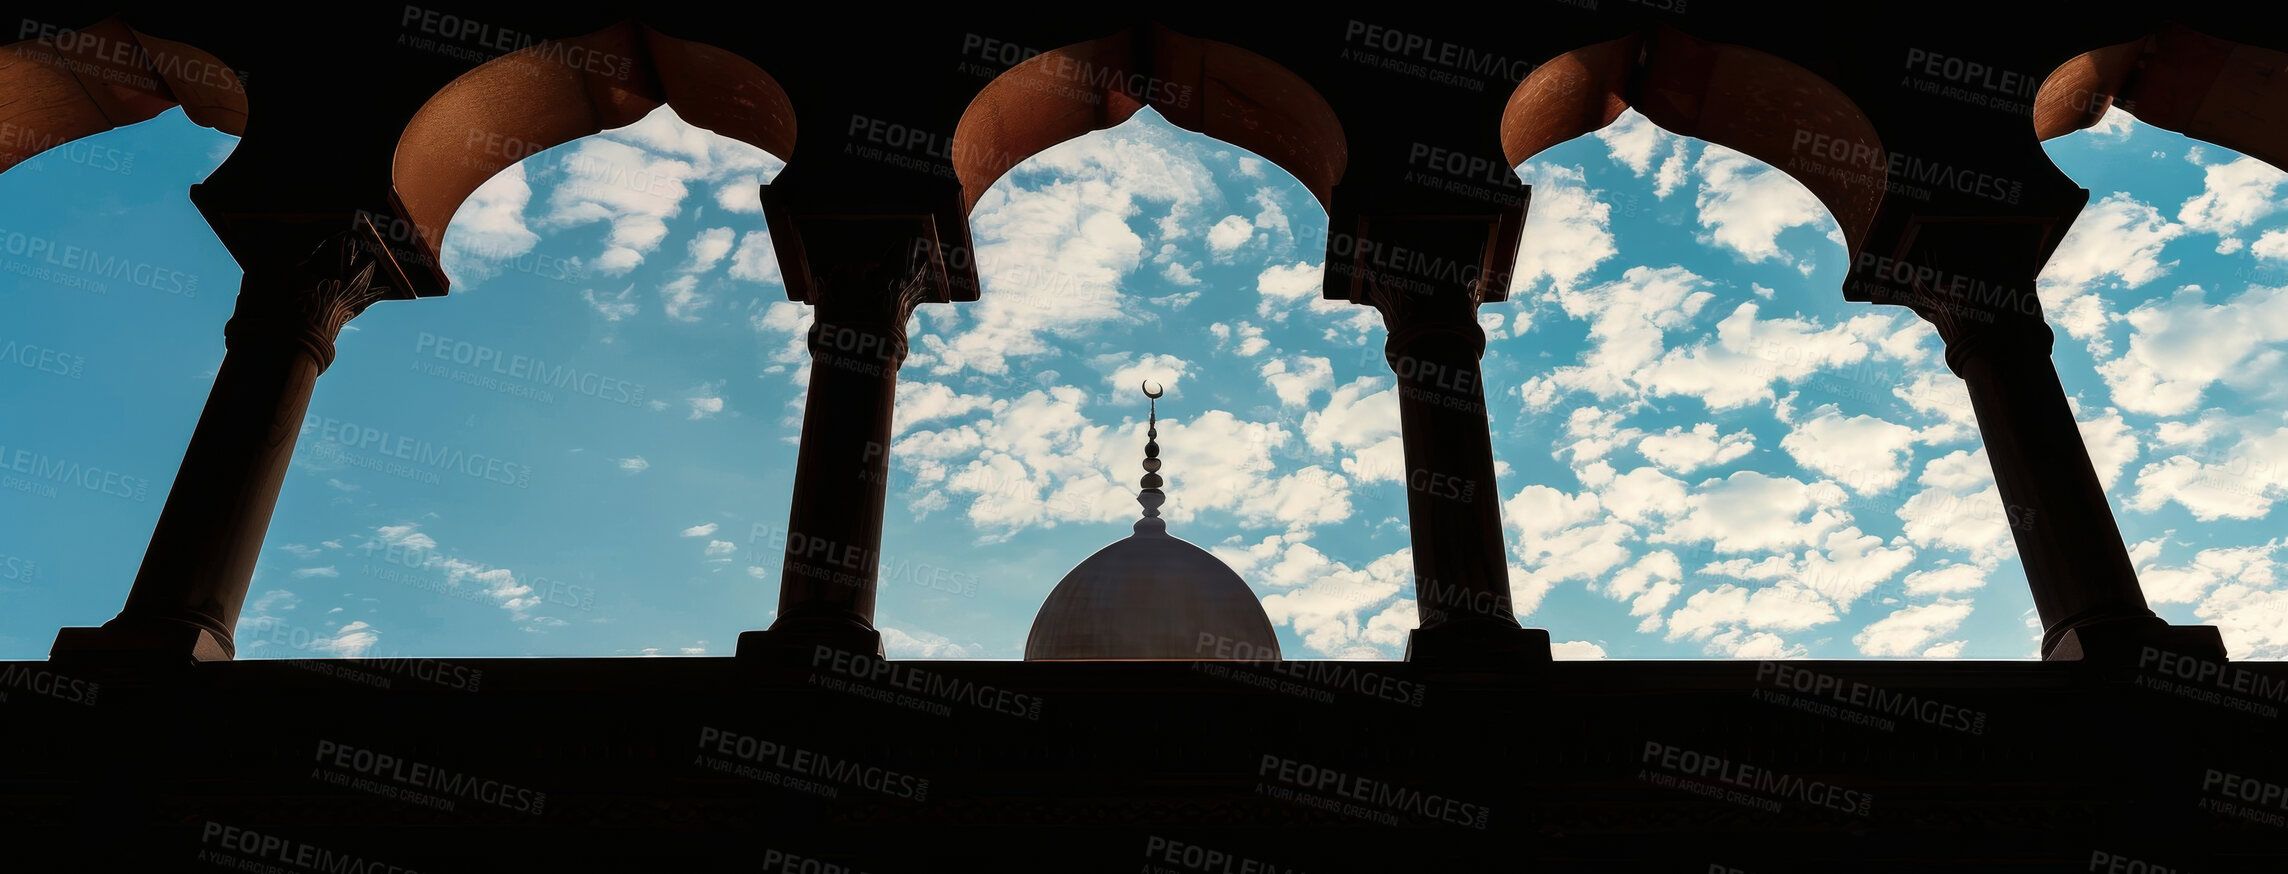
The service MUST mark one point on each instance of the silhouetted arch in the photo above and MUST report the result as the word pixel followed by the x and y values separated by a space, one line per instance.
pixel 2178 79
pixel 1760 104
pixel 66 84
pixel 551 93
pixel 1200 85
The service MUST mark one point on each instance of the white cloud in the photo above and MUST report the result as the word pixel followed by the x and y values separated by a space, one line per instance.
pixel 1911 630
pixel 901 644
pixel 1864 453
pixel 1362 417
pixel 1685 451
pixel 1568 232
pixel 1753 512
pixel 1039 460
pixel 1053 253
pixel 633 464
pixel 1629 317
pixel 2117 241
pixel 636 177
pixel 756 260
pixel 706 400
pixel 707 248
pixel 1229 234
pixel 497 584
pixel 1960 508
pixel 1327 602
pixel 2181 345
pixel 350 641
pixel 1282 289
pixel 1295 379
pixel 2112 446
pixel 1745 204
pixel 2115 125
pixel 1733 611
pixel 489 227
pixel 1250 338
pixel 1575 650
pixel 1633 141
pixel 721 549
pixel 1126 374
pixel 700 530
pixel 308 572
pixel 2233 196
pixel 1946 580
pixel 682 299
pixel 613 308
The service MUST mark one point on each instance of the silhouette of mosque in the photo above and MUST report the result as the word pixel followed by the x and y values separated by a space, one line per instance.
pixel 1132 737
pixel 1152 596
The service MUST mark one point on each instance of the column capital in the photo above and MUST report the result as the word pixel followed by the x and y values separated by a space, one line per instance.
pixel 311 302
pixel 866 279
pixel 869 271
pixel 1974 281
pixel 1425 274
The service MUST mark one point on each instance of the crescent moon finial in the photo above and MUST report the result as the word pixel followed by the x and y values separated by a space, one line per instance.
pixel 1153 393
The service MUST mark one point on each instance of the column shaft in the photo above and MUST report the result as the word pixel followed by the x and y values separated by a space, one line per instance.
pixel 195 573
pixel 2076 563
pixel 1427 276
pixel 867 276
pixel 1974 281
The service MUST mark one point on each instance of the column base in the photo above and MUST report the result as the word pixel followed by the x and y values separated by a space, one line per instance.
pixel 2123 644
pixel 150 641
pixel 802 646
pixel 1478 645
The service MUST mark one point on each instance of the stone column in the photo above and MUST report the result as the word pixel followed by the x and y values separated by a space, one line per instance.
pixel 1426 277
pixel 2084 585
pixel 865 279
pixel 186 598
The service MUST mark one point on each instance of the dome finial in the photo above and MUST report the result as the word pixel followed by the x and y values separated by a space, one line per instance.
pixel 1151 497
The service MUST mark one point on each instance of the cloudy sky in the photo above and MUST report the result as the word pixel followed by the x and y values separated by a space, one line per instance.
pixel 587 448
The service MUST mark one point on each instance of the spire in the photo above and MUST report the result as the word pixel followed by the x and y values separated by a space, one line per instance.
pixel 1151 497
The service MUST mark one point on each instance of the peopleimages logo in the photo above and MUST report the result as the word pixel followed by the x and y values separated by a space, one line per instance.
pixel 43 468
pixel 260 848
pixel 1380 796
pixel 93 262
pixel 805 763
pixel 344 434
pixel 529 369
pixel 1762 781
pixel 358 760
pixel 930 683
pixel 70 690
pixel 43 359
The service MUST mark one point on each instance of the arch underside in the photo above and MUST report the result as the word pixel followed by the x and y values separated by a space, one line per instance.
pixel 552 93
pixel 2178 79
pixel 63 85
pixel 1759 104
pixel 1208 87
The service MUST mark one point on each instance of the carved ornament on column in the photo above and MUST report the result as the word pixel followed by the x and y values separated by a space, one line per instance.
pixel 317 297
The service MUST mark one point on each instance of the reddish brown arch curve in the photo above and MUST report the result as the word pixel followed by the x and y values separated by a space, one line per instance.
pixel 549 94
pixel 2215 90
pixel 1200 85
pixel 69 84
pixel 1763 105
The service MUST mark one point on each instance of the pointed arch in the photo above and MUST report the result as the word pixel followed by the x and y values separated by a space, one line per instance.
pixel 1200 85
pixel 64 84
pixel 2178 79
pixel 1760 104
pixel 554 92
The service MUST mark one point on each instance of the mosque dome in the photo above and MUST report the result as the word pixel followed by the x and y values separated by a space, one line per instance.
pixel 1152 596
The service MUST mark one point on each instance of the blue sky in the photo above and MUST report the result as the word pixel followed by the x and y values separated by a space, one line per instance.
pixel 1703 451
